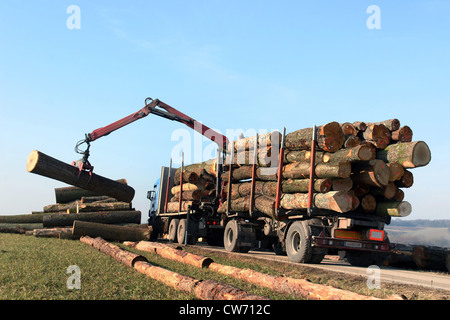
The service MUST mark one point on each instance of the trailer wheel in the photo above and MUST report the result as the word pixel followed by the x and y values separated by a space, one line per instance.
pixel 232 237
pixel 181 231
pixel 173 229
pixel 298 245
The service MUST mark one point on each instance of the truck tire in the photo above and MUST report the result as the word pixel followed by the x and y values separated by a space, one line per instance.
pixel 181 231
pixel 232 237
pixel 298 245
pixel 173 229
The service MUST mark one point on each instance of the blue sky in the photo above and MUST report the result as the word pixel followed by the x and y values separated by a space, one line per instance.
pixel 231 64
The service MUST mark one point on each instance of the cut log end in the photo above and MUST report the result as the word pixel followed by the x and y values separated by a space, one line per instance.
pixel 32 160
pixel 421 154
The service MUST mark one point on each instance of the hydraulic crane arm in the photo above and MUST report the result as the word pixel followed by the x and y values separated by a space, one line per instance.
pixel 158 108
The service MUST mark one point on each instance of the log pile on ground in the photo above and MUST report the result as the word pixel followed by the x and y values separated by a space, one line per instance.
pixel 80 212
pixel 199 185
pixel 419 257
pixel 359 166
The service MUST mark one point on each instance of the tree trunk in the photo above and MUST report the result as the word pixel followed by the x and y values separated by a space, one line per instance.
pixel 345 184
pixel 404 134
pixel 188 177
pixel 368 203
pixel 110 232
pixel 430 257
pixel 408 154
pixel 406 181
pixel 301 170
pixel 351 141
pixel 70 194
pixel 123 256
pixel 396 171
pixel 97 198
pixel 393 208
pixel 334 200
pixel 302 185
pixel 40 163
pixel 168 252
pixel 387 192
pixel 23 218
pixel 60 233
pixel 349 129
pixel 264 140
pixel 373 173
pixel 329 138
pixel 378 134
pixel 64 219
pixel 391 124
pixel 302 156
pixel 265 158
pixel 174 206
pixel 263 204
pixel 193 195
pixel 358 153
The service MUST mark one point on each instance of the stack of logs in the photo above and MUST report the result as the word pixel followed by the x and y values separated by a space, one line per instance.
pixel 358 167
pixel 199 185
pixel 81 212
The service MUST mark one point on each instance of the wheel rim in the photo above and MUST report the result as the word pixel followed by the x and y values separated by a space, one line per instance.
pixel 295 242
pixel 230 235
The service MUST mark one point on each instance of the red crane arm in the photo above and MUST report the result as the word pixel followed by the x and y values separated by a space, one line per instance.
pixel 169 113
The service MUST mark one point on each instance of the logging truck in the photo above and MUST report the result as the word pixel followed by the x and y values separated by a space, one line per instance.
pixel 305 236
pixel 305 225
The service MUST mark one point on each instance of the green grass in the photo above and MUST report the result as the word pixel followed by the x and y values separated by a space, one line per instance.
pixel 35 268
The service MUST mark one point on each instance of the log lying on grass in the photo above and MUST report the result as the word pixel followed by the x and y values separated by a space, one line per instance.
pixel 42 164
pixel 110 232
pixel 115 217
pixel 202 289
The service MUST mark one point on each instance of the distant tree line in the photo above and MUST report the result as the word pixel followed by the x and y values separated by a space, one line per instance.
pixel 443 223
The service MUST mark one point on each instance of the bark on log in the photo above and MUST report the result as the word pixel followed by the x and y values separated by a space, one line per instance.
pixel 301 170
pixel 378 134
pixel 373 173
pixel 23 218
pixel 329 138
pixel 401 257
pixel 302 156
pixel 174 206
pixel 110 232
pixel 404 134
pixel 391 124
pixel 97 198
pixel 188 177
pixel 174 254
pixel 408 154
pixel 430 257
pixel 393 208
pixel 63 219
pixel 358 153
pixel 285 285
pixel 334 200
pixel 200 169
pixel 264 140
pixel 263 204
pixel 69 194
pixel 360 125
pixel 60 233
pixel 77 207
pixel 42 164
pixel 123 256
pixel 264 157
pixel 345 185
pixel 302 185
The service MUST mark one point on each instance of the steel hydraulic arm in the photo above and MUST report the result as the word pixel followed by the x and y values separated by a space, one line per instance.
pixel 156 107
